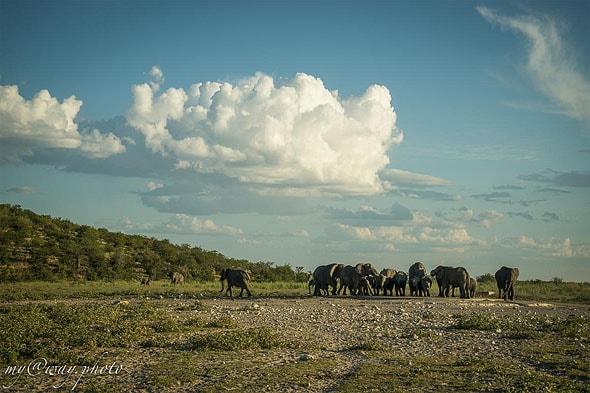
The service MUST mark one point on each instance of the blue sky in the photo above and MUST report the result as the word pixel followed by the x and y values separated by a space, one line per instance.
pixel 308 132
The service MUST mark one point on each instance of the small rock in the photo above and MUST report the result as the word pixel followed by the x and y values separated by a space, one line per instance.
pixel 306 357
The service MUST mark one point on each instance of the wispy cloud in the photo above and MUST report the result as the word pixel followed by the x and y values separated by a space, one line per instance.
pixel 560 179
pixel 425 194
pixel 550 62
pixel 493 196
pixel 508 187
pixel 366 213
pixel 24 190
pixel 548 216
pixel 406 178
pixel 526 215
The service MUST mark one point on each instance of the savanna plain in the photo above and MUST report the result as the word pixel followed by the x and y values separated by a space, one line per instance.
pixel 124 337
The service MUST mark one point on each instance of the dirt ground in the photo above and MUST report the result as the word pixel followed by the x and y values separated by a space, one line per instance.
pixel 337 335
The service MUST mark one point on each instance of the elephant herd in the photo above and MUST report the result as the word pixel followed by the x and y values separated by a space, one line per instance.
pixel 363 279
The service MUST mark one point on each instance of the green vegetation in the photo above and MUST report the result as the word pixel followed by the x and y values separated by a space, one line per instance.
pixel 572 327
pixel 44 290
pixel 479 374
pixel 39 247
pixel 542 291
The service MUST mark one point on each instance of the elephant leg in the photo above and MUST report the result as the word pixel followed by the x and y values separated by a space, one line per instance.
pixel 464 292
pixel 509 292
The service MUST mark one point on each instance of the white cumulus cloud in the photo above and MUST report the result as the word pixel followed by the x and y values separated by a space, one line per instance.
pixel 44 122
pixel 288 133
pixel 190 224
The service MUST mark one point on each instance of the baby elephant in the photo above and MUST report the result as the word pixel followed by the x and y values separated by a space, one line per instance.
pixel 235 278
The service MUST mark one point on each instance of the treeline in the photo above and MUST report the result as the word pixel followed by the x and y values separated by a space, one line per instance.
pixel 40 247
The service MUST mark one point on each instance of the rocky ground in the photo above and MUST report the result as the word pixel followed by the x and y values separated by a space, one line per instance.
pixel 332 338
pixel 342 327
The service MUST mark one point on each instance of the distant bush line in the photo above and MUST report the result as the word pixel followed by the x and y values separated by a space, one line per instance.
pixel 39 247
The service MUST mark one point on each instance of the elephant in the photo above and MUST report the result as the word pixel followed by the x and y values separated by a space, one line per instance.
pixel 400 279
pixel 506 278
pixel 325 276
pixel 438 273
pixel 472 288
pixel 389 285
pixel 176 278
pixel 145 280
pixel 453 276
pixel 414 283
pixel 417 269
pixel 350 276
pixel 310 283
pixel 424 286
pixel 379 284
pixel 235 278
pixel 364 287
pixel 388 272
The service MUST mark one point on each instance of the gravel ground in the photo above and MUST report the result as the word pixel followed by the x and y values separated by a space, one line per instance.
pixel 413 326
pixel 332 328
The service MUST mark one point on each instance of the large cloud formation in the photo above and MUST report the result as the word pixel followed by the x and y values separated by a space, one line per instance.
pixel 290 133
pixel 44 122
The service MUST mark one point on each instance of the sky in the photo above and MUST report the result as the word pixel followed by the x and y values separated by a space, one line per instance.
pixel 306 133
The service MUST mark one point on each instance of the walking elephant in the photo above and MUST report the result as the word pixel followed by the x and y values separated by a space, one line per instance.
pixel 452 277
pixel 424 286
pixel 389 286
pixel 235 278
pixel 379 284
pixel 310 283
pixel 326 276
pixel 176 278
pixel 417 272
pixel 506 278
pixel 350 276
pixel 472 287
pixel 388 272
pixel 400 279
pixel 438 274
pixel 364 287
pixel 413 283
pixel 417 269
